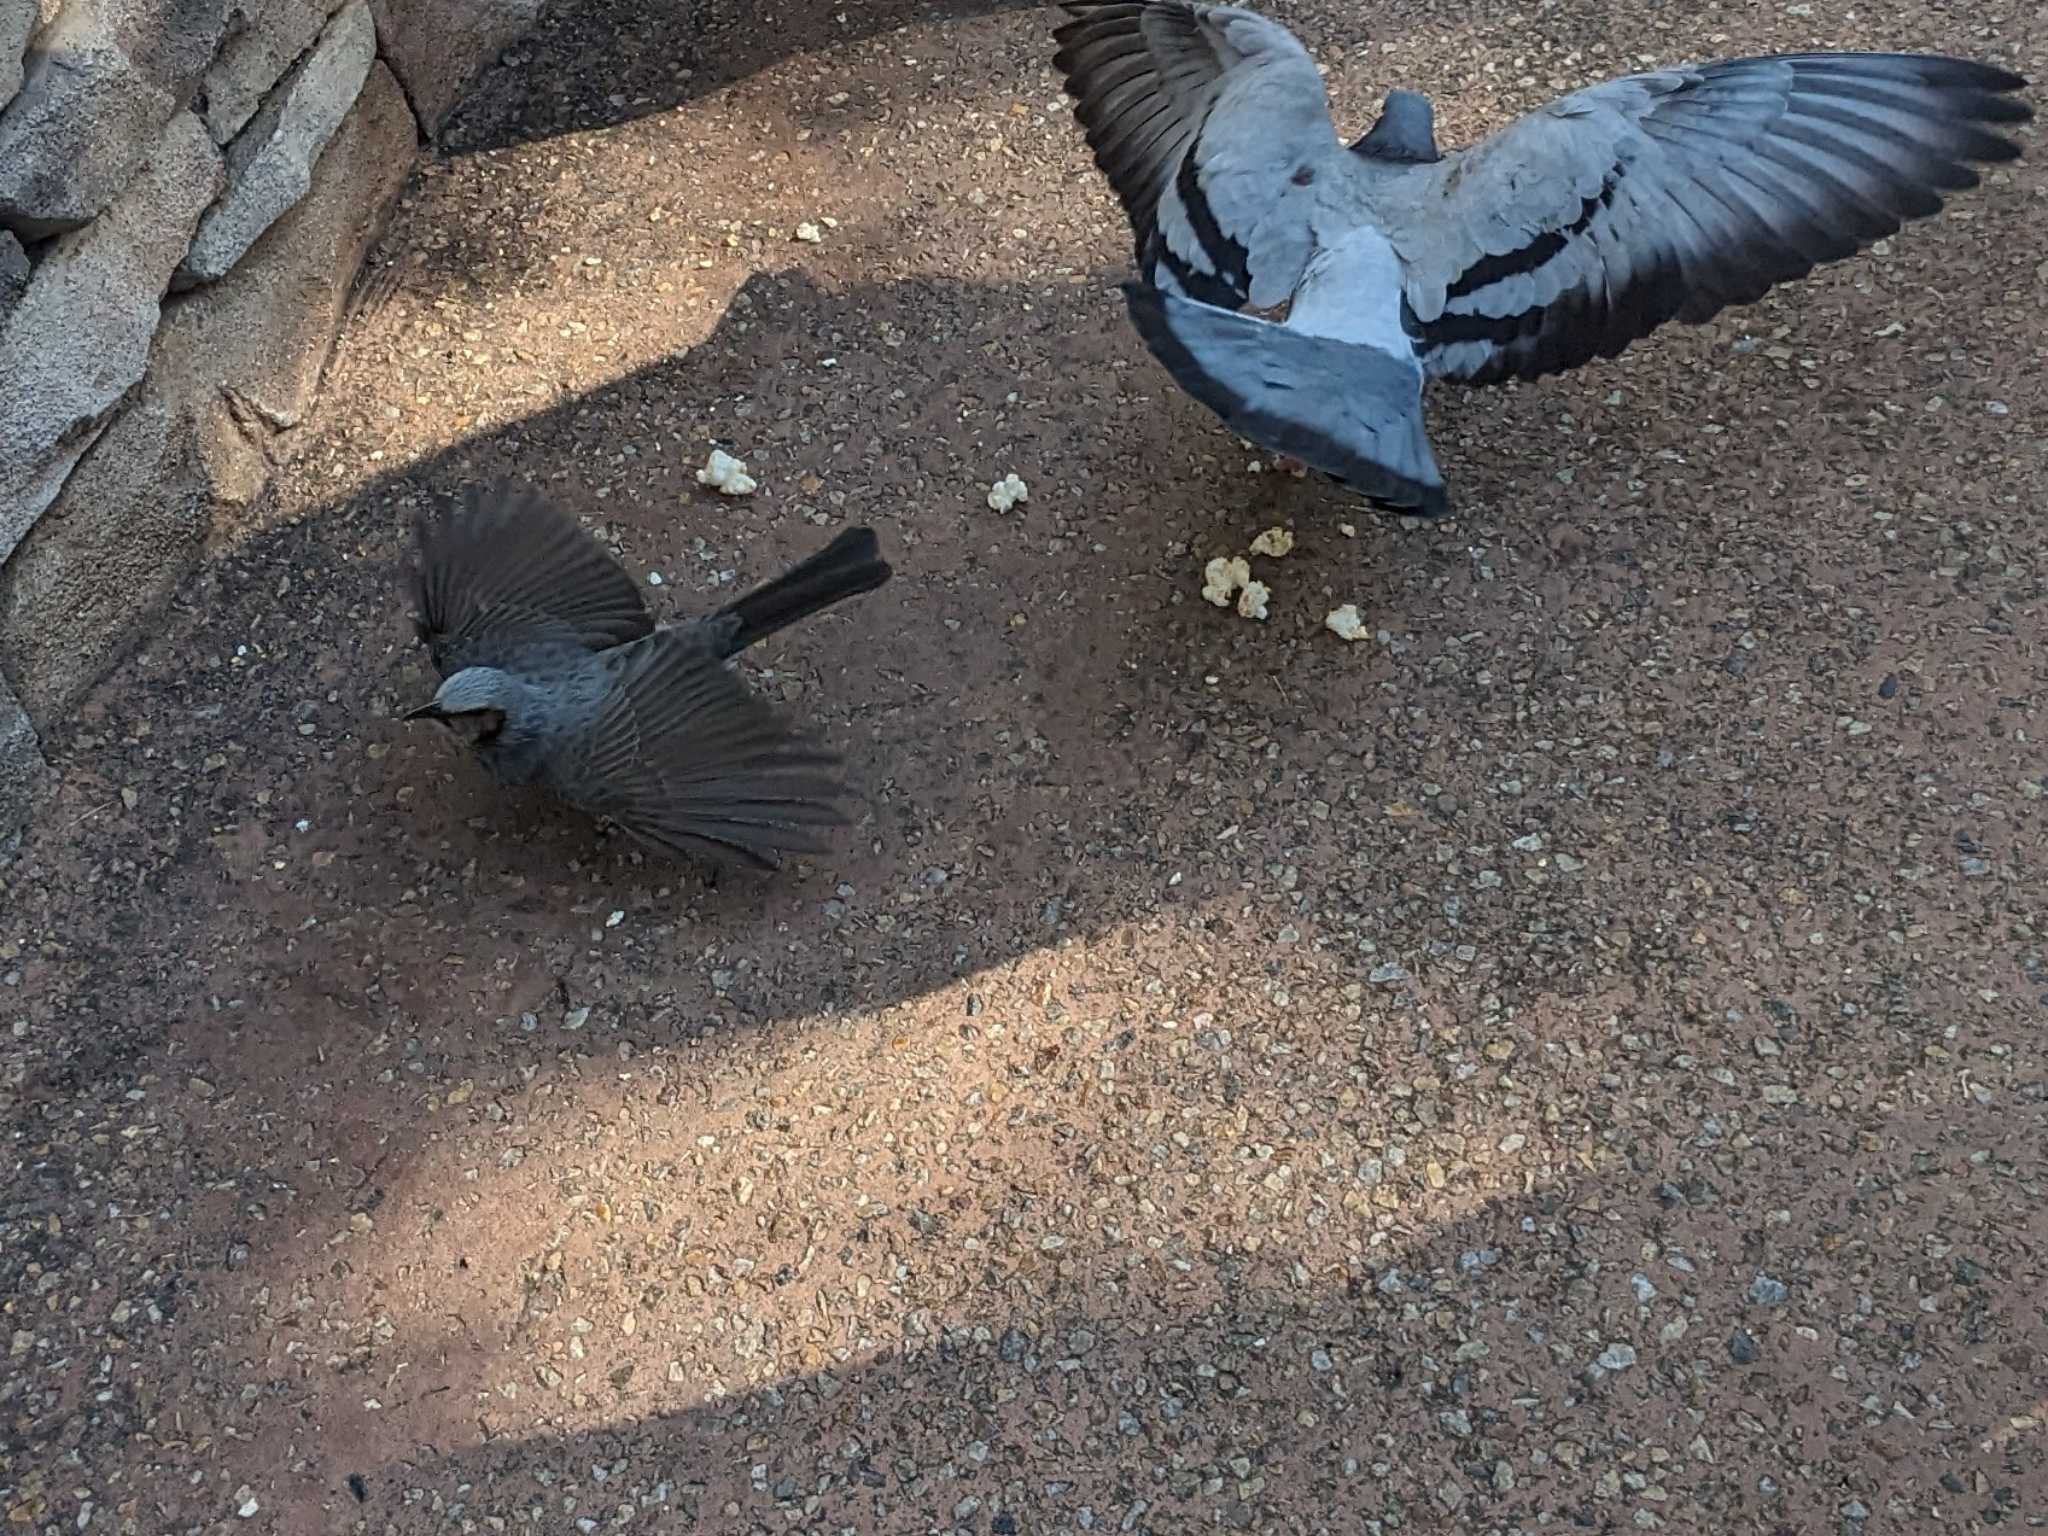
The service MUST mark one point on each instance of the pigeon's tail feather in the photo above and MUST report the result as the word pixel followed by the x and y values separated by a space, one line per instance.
pixel 849 565
pixel 1351 410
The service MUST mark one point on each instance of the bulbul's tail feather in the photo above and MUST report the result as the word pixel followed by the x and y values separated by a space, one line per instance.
pixel 849 565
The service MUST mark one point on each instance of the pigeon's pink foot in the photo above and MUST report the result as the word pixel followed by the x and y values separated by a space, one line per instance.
pixel 1282 464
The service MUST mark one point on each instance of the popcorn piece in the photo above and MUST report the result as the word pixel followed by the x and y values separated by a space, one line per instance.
pixel 1274 542
pixel 1345 623
pixel 1223 576
pixel 727 473
pixel 809 233
pixel 1251 602
pixel 1007 492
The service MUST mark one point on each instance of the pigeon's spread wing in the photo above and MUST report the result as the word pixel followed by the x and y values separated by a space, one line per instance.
pixel 1671 195
pixel 686 759
pixel 1352 411
pixel 501 572
pixel 1211 124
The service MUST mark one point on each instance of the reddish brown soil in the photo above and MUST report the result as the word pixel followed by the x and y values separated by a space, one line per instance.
pixel 1229 1079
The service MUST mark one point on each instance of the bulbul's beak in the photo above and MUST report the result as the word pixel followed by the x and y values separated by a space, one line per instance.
pixel 427 711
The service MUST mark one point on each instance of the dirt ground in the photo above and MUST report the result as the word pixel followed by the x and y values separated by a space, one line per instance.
pixel 1573 1062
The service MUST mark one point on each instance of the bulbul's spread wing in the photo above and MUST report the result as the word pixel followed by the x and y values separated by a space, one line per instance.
pixel 686 759
pixel 502 574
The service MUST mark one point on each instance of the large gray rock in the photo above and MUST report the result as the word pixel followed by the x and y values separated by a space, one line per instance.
pixel 78 340
pixel 18 18
pixel 104 559
pixel 21 764
pixel 255 57
pixel 235 366
pixel 270 163
pixel 102 79
pixel 436 46
pixel 256 341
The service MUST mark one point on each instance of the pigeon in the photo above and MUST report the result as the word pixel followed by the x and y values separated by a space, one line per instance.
pixel 555 673
pixel 1566 236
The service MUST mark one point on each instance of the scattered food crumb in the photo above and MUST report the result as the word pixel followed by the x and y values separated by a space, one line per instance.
pixel 1222 577
pixel 1348 530
pixel 1345 623
pixel 727 473
pixel 1007 492
pixel 1274 542
pixel 1251 602
pixel 809 233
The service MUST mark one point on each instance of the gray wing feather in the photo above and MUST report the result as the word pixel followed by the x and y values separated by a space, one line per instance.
pixel 1672 195
pixel 1352 411
pixel 500 574
pixel 686 759
pixel 1202 117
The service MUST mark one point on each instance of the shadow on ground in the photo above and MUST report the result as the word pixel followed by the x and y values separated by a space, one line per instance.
pixel 592 66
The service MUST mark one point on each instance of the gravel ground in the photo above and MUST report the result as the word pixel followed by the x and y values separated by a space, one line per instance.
pixel 1572 1061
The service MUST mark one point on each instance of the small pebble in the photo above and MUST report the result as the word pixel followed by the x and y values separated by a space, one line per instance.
pixel 1743 1349
pixel 1766 1292
pixel 1618 1356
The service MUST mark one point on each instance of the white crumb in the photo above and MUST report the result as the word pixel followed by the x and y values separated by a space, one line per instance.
pixel 727 473
pixel 1223 576
pixel 1274 542
pixel 1347 530
pixel 1251 602
pixel 1345 623
pixel 1007 492
pixel 809 233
